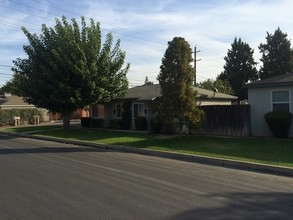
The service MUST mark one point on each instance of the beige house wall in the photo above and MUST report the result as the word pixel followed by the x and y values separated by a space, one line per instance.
pixel 260 100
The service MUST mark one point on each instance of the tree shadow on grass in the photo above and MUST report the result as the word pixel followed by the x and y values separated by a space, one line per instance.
pixel 244 206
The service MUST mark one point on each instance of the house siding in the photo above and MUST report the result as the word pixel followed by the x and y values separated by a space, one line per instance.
pixel 261 103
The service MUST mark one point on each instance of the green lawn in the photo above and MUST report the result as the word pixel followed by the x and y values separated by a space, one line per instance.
pixel 261 150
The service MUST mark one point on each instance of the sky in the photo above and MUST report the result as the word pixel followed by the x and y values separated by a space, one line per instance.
pixel 146 26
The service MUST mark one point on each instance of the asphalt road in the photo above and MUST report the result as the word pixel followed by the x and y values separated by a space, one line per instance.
pixel 47 180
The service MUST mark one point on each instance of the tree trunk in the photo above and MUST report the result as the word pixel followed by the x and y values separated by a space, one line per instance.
pixel 66 120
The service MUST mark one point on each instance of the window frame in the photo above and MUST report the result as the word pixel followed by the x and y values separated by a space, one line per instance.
pixel 289 98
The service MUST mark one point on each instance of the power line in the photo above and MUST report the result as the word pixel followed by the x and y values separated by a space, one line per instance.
pixel 3 65
pixel 116 32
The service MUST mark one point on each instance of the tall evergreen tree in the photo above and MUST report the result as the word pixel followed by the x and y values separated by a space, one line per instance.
pixel 239 68
pixel 276 55
pixel 68 68
pixel 176 79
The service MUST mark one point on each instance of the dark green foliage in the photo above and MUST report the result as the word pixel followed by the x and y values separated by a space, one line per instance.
pixel 239 68
pixel 169 127
pixel 86 122
pixel 141 123
pixel 26 116
pixel 7 87
pixel 176 80
pixel 68 68
pixel 115 124
pixel 277 55
pixel 156 124
pixel 97 123
pixel 279 123
pixel 126 115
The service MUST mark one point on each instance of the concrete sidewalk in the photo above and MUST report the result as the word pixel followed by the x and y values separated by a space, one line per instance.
pixel 241 165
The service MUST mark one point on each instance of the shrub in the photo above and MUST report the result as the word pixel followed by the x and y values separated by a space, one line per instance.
pixel 156 124
pixel 115 124
pixel 141 123
pixel 169 127
pixel 97 123
pixel 85 122
pixel 279 123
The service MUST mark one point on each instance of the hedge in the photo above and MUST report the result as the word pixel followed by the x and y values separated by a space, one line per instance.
pixel 279 123
pixel 26 116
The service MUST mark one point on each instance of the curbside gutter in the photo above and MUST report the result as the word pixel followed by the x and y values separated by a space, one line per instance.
pixel 234 164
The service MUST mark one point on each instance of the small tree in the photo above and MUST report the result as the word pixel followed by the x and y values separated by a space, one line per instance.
pixel 277 55
pixel 67 68
pixel 240 67
pixel 176 79
pixel 147 82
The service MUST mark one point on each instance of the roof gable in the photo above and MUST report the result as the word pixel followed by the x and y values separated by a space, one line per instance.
pixel 13 101
pixel 280 80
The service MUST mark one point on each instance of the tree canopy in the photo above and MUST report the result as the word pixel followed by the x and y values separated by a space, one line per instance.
pixel 239 68
pixel 277 55
pixel 176 78
pixel 222 86
pixel 68 67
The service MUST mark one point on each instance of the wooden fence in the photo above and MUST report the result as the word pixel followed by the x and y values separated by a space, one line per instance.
pixel 225 120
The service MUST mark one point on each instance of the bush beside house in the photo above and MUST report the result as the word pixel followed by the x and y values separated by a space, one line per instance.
pixel 279 123
pixel 141 123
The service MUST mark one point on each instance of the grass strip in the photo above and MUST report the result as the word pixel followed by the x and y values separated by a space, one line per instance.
pixel 260 150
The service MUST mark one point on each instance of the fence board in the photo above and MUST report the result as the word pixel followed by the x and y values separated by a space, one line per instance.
pixel 226 120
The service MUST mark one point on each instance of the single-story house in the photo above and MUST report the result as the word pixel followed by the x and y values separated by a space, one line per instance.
pixel 271 94
pixel 141 98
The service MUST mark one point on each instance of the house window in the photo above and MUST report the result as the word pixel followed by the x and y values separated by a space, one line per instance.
pixel 118 110
pixel 138 109
pixel 281 100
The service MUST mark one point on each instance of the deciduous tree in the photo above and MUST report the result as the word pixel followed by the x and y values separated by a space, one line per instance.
pixel 68 68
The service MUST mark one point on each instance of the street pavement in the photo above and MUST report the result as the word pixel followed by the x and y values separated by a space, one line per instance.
pixel 48 180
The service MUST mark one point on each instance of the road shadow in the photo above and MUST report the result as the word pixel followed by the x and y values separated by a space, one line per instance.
pixel 44 150
pixel 244 206
pixel 6 137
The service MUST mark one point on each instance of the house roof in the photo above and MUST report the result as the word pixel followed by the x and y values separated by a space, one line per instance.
pixel 12 101
pixel 150 92
pixel 280 80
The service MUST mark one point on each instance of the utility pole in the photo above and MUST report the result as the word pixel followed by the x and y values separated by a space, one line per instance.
pixel 195 60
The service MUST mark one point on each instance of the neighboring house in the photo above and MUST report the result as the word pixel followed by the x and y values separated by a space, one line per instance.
pixel 141 98
pixel 8 101
pixel 267 95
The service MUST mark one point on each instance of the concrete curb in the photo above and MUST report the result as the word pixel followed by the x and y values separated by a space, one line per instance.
pixel 241 165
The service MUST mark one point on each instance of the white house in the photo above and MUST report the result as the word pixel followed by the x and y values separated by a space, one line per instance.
pixel 272 94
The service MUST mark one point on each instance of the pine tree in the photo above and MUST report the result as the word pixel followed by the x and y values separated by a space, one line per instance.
pixel 176 79
pixel 276 55
pixel 239 68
